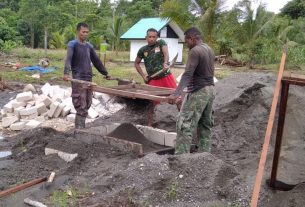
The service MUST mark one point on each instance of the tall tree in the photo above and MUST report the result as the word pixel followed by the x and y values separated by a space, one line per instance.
pixel 294 9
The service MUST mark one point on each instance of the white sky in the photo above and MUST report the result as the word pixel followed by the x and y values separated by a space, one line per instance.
pixel 271 5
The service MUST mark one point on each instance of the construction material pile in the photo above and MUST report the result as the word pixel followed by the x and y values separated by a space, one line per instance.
pixel 30 109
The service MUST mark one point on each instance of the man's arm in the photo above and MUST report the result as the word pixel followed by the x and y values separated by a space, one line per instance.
pixel 68 61
pixel 166 57
pixel 97 62
pixel 139 69
pixel 192 62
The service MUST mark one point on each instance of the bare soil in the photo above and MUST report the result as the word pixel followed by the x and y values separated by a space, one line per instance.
pixel 224 177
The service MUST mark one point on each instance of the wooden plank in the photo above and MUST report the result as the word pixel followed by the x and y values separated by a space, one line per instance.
pixel 262 162
pixel 129 94
pixel 22 186
pixel 149 87
pixel 279 133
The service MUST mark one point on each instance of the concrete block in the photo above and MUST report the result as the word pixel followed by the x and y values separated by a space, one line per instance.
pixel 71 118
pixel 25 96
pixel 30 104
pixel 53 108
pixel 17 126
pixel 73 111
pixel 32 124
pixel 7 121
pixel 59 109
pixel 41 108
pixel 66 110
pixel 8 108
pixel 45 89
pixel 63 155
pixel 111 127
pixel 17 104
pixel 17 110
pixel 29 87
pixel 92 113
pixel 28 111
pixel 155 135
pixel 54 91
pixel 31 116
pixel 46 100
pixel 170 139
pixel 95 102
pixel 40 118
pixel 35 96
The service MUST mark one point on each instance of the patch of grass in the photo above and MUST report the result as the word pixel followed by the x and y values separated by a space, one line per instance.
pixel 64 198
pixel 171 194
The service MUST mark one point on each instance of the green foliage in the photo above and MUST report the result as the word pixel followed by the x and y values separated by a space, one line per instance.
pixel 140 9
pixel 294 9
pixel 171 194
pixel 57 41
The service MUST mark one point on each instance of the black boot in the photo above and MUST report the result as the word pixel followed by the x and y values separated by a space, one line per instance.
pixel 80 122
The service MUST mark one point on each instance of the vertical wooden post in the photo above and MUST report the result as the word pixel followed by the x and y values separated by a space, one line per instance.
pixel 280 130
pixel 262 161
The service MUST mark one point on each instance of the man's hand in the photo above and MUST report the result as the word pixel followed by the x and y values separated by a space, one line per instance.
pixel 66 77
pixel 165 66
pixel 146 79
pixel 172 99
pixel 108 77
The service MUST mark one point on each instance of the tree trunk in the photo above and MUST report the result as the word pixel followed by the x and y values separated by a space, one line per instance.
pixel 45 40
pixel 32 36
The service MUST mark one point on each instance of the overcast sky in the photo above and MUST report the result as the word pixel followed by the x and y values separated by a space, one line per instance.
pixel 271 5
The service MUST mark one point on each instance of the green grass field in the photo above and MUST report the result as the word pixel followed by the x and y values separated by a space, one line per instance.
pixel 118 66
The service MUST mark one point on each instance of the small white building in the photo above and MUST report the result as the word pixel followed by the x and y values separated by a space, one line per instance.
pixel 168 30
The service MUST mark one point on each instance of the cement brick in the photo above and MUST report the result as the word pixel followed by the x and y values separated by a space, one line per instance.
pixel 53 108
pixel 40 118
pixel 17 104
pixel 29 87
pixel 17 110
pixel 41 108
pixel 8 108
pixel 18 126
pixel 59 109
pixel 46 89
pixel 30 104
pixel 92 113
pixel 53 90
pixel 71 118
pixel 156 135
pixel 111 127
pixel 170 139
pixel 32 124
pixel 95 102
pixel 25 96
pixel 66 110
pixel 31 116
pixel 28 111
pixel 47 101
pixel 7 121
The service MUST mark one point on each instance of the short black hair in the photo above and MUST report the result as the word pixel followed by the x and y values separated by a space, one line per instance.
pixel 151 30
pixel 81 24
pixel 193 32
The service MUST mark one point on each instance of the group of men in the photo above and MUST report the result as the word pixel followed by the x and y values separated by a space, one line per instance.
pixel 196 87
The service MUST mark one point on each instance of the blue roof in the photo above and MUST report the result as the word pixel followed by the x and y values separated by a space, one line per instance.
pixel 138 31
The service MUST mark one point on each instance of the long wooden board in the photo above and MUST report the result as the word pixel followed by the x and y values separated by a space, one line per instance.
pixel 133 91
pixel 262 162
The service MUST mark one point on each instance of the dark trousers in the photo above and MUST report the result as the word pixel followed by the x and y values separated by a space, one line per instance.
pixel 81 98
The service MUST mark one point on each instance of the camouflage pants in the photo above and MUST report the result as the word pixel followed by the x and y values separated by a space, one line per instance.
pixel 81 98
pixel 196 112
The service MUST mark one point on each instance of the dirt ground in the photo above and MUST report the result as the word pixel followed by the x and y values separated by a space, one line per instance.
pixel 105 176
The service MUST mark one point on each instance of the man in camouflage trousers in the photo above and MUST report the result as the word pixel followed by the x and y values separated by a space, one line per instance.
pixel 196 110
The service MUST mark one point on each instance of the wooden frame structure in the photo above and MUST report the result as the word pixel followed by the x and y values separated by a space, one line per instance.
pixel 287 80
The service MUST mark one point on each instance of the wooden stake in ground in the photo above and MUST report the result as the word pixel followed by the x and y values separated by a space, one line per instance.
pixel 262 162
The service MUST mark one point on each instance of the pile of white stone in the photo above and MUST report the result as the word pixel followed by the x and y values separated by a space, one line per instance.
pixel 30 109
